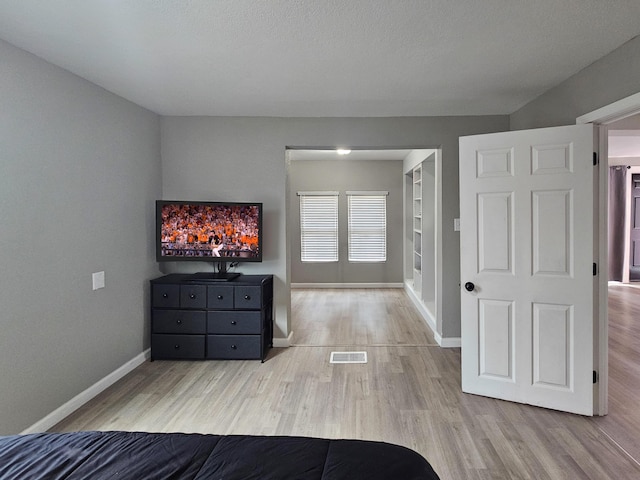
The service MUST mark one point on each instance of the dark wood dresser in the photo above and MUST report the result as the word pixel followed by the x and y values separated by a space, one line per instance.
pixel 193 317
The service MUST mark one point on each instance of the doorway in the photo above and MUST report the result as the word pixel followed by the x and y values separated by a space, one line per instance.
pixel 624 199
pixel 313 170
pixel 603 118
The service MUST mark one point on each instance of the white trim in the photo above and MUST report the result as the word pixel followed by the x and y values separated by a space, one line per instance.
pixel 623 108
pixel 444 342
pixel 317 193
pixel 366 192
pixel 416 157
pixel 613 112
pixel 83 397
pixel 283 342
pixel 422 309
pixel 601 362
pixel 346 285
pixel 449 342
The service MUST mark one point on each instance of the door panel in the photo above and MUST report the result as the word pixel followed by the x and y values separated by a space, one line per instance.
pixel 495 232
pixel 552 243
pixel 527 229
pixel 496 339
pixel 552 333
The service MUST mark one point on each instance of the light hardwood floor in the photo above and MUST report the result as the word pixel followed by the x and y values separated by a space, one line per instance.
pixel 335 317
pixel 408 393
pixel 623 421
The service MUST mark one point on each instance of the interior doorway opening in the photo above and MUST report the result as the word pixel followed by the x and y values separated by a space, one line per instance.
pixel 624 200
pixel 312 170
pixel 603 118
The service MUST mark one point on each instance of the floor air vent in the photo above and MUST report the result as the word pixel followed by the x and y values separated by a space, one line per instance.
pixel 348 357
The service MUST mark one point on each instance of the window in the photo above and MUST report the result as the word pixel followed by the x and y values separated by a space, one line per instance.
pixel 319 226
pixel 367 226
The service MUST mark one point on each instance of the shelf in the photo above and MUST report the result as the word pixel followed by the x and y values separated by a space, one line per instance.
pixel 417 230
pixel 417 174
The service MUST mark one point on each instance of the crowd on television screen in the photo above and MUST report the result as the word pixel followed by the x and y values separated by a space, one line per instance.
pixel 210 230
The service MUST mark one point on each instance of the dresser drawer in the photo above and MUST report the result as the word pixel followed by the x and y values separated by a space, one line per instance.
pixel 219 296
pixel 167 296
pixel 233 346
pixel 177 346
pixel 248 297
pixel 193 296
pixel 239 323
pixel 179 321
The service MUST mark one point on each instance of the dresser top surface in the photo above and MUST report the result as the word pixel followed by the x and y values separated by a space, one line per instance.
pixel 200 279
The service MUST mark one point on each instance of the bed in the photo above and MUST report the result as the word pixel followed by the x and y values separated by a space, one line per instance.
pixel 150 456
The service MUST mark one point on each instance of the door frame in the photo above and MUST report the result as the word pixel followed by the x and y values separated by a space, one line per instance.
pixel 602 117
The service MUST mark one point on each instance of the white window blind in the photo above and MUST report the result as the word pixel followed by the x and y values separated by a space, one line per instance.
pixel 367 226
pixel 319 226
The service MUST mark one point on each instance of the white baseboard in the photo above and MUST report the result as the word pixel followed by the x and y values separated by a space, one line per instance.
pixel 426 314
pixel 76 402
pixel 446 342
pixel 346 285
pixel 283 342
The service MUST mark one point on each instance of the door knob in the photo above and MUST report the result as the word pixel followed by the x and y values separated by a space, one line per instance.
pixel 469 286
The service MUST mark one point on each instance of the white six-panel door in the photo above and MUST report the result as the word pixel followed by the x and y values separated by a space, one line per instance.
pixel 527 299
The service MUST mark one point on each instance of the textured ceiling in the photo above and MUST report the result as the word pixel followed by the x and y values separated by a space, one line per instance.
pixel 322 57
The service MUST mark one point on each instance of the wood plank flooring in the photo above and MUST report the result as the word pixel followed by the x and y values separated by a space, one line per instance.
pixel 408 393
pixel 334 317
pixel 623 422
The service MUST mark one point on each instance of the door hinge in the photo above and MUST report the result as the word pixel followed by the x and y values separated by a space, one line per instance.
pixel 595 269
pixel 595 158
pixel 595 377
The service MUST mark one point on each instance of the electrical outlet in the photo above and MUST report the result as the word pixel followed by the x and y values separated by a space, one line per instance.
pixel 456 224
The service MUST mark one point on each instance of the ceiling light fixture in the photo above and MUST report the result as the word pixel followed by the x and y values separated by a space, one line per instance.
pixel 343 151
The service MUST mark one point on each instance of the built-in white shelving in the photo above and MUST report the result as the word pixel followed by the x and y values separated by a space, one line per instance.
pixel 417 229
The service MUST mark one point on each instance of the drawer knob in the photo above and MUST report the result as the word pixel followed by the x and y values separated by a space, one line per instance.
pixel 220 297
pixel 233 347
pixel 165 295
pixel 176 347
pixel 192 296
pixel 233 322
pixel 247 297
pixel 179 322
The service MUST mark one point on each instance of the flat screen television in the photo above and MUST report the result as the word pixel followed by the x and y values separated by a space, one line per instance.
pixel 220 232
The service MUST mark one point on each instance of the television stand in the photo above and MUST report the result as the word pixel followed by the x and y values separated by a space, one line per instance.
pixel 213 277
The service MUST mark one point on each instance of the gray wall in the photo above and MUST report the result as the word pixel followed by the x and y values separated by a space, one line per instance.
pixel 629 123
pixel 613 77
pixel 428 236
pixel 238 158
pixel 79 170
pixel 342 176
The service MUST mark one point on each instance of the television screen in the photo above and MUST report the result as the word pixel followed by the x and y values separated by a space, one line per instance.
pixel 208 231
